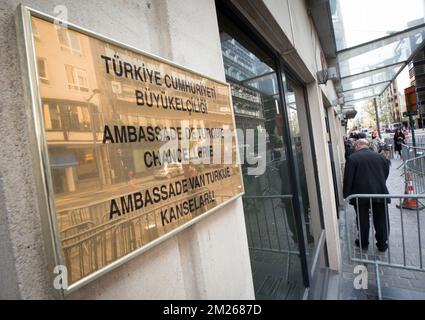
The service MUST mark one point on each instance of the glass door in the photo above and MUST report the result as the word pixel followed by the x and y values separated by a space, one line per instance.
pixel 299 132
pixel 306 174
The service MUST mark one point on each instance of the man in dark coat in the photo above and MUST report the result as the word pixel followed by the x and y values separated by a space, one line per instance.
pixel 366 172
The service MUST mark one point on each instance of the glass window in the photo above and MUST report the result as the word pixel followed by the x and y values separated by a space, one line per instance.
pixel 42 69
pixel 55 117
pixel 73 116
pixel 77 78
pixel 268 201
pixel 52 116
pixel 78 117
pixel 84 116
pixel 69 41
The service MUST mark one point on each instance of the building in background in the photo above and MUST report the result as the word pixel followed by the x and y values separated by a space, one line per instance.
pixel 417 76
pixel 390 113
pixel 417 80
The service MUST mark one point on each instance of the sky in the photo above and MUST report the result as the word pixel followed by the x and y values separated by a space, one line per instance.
pixel 365 20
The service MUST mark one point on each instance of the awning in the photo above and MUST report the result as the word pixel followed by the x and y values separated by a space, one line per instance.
pixel 63 161
pixel 367 68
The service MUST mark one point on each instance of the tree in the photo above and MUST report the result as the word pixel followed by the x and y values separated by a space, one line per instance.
pixel 369 115
pixel 354 124
pixel 385 116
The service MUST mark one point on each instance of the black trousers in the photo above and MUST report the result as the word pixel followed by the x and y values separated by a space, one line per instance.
pixel 380 222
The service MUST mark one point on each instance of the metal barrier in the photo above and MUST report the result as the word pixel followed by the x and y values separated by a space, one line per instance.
pixel 401 228
pixel 271 226
pixel 405 151
pixel 419 141
pixel 414 175
pixel 410 152
pixel 414 166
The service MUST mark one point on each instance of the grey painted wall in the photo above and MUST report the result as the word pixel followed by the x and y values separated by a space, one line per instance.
pixel 208 260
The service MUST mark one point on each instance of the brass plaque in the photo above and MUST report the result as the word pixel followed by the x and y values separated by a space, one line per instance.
pixel 109 114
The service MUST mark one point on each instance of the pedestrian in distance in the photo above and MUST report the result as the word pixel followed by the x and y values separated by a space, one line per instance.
pixel 376 142
pixel 366 172
pixel 349 147
pixel 399 140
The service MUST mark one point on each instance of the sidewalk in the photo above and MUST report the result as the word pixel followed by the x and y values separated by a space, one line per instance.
pixel 395 283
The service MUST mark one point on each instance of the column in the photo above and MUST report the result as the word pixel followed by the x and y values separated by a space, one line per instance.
pixel 317 113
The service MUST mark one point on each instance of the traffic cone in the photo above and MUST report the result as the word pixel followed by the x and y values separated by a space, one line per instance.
pixel 410 203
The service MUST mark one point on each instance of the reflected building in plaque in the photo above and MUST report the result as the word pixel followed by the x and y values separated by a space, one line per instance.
pixel 70 109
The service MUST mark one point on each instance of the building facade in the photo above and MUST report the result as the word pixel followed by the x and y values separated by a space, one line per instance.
pixel 390 106
pixel 280 240
pixel 417 79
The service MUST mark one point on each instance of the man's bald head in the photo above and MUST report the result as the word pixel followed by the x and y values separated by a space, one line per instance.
pixel 361 144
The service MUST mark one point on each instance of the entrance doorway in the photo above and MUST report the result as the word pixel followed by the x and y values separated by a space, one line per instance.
pixel 283 223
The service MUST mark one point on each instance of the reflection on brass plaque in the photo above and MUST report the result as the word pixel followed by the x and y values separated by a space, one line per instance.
pixel 105 112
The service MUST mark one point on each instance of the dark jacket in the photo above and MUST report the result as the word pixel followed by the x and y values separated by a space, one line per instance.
pixel 399 139
pixel 349 149
pixel 366 172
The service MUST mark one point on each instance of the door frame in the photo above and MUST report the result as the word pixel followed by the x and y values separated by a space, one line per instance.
pixel 282 68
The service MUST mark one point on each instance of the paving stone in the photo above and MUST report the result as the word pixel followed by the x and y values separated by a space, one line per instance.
pixel 348 268
pixel 401 283
pixel 371 283
pixel 406 274
pixel 371 270
pixel 419 275
pixel 372 276
pixel 389 271
pixel 347 275
pixel 418 284
pixel 386 281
